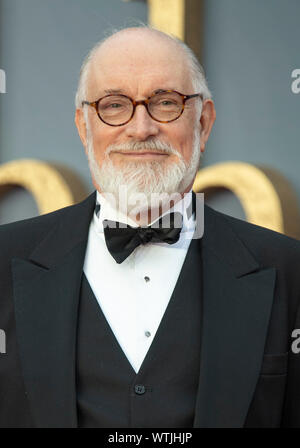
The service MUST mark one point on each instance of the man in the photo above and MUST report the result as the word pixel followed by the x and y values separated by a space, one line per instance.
pixel 113 322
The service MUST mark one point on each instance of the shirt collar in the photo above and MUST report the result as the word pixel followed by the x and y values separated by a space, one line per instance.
pixel 105 210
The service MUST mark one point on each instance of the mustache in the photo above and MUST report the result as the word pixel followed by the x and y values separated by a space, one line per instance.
pixel 138 146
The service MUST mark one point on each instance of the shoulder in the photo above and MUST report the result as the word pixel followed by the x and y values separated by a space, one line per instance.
pixel 18 238
pixel 265 244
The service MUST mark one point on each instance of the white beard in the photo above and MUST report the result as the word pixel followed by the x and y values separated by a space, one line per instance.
pixel 151 178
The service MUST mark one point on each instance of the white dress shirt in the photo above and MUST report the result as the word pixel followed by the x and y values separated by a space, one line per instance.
pixel 134 295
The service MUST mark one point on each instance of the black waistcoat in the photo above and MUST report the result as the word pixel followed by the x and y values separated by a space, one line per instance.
pixel 162 394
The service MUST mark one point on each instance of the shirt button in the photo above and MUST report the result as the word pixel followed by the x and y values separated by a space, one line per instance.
pixel 139 389
pixel 146 278
pixel 148 334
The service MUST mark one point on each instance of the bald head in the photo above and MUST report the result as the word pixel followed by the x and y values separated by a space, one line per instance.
pixel 143 36
pixel 139 47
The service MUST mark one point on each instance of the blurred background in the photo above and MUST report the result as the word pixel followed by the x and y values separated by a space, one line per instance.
pixel 249 50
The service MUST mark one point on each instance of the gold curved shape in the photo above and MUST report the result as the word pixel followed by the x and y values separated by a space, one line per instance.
pixel 180 18
pixel 48 187
pixel 167 16
pixel 265 195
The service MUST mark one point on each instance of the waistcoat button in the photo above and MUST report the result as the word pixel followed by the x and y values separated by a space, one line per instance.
pixel 139 389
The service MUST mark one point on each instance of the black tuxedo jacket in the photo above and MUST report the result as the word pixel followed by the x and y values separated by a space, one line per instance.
pixel 249 376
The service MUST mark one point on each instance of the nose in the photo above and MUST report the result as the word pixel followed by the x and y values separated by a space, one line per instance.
pixel 142 126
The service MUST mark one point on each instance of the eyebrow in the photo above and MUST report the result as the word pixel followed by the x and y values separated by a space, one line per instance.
pixel 113 91
pixel 121 91
pixel 161 90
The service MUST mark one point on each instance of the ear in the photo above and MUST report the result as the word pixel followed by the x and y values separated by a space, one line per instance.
pixel 207 119
pixel 81 126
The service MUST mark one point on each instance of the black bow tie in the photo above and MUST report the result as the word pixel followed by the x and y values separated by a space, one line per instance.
pixel 121 241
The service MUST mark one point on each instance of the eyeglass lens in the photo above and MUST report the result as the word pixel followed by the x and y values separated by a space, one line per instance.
pixel 117 109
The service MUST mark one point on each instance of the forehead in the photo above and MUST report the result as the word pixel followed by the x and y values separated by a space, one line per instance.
pixel 139 63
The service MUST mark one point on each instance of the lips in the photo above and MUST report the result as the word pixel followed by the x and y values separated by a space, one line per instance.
pixel 140 153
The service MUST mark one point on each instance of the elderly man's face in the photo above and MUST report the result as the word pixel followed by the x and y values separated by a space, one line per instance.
pixel 137 65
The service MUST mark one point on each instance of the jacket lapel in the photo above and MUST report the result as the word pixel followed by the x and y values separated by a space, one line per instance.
pixel 237 299
pixel 46 291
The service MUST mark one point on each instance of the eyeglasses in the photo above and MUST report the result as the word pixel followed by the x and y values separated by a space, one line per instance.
pixel 164 107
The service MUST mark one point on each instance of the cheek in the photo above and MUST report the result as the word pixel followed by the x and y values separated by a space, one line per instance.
pixel 99 144
pixel 102 138
pixel 181 139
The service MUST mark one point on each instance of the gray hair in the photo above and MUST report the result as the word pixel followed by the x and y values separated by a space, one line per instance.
pixel 196 70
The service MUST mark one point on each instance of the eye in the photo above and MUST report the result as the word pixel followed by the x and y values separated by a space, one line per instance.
pixel 166 103
pixel 114 105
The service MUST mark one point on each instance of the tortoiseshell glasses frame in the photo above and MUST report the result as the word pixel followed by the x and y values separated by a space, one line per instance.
pixel 95 105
